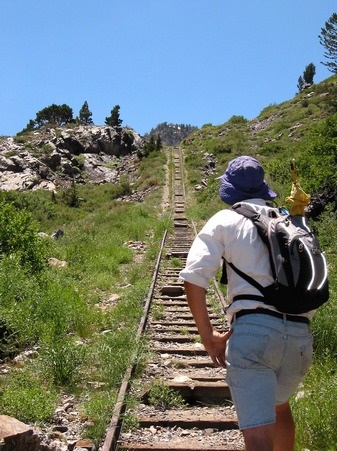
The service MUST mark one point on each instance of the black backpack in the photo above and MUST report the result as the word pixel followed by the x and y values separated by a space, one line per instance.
pixel 297 262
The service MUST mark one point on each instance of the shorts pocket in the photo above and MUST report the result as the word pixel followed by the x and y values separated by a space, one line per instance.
pixel 248 350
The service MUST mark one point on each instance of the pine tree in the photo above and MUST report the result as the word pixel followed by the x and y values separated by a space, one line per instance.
pixel 309 73
pixel 114 120
pixel 85 115
pixel 159 145
pixel 308 77
pixel 300 84
pixel 54 114
pixel 328 39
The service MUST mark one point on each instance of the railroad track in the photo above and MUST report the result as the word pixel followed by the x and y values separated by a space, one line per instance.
pixel 183 400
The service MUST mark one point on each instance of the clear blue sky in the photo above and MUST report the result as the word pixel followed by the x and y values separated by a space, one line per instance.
pixel 179 61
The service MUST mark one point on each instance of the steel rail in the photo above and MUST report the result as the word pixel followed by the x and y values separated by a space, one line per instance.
pixel 113 431
pixel 178 360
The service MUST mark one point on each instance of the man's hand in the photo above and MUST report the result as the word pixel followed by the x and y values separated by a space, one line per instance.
pixel 214 341
pixel 215 345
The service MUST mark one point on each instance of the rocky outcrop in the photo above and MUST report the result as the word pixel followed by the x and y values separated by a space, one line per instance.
pixel 52 157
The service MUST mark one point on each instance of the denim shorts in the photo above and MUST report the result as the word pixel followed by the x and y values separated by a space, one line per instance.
pixel 267 358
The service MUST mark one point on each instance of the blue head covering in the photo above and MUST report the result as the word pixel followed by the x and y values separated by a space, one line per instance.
pixel 244 179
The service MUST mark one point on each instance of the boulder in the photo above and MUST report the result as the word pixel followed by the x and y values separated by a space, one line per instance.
pixel 15 435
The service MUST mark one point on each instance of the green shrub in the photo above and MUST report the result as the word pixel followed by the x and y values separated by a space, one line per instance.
pixel 282 125
pixel 30 305
pixel 62 358
pixel 8 342
pixel 238 120
pixel 271 148
pixel 28 398
pixel 40 204
pixel 61 307
pixel 20 293
pixel 319 160
pixel 22 139
pixel 18 235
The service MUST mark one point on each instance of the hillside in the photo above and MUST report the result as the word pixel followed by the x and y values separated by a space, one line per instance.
pixel 303 128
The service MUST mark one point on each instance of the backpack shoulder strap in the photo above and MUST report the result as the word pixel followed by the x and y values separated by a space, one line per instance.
pixel 245 210
pixel 246 277
pixel 262 224
pixel 260 221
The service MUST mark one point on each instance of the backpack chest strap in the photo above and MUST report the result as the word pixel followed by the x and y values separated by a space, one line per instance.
pixel 249 297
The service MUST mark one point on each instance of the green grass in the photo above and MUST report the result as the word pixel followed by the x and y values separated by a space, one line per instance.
pixel 163 397
pixel 82 341
pixel 29 395
pixel 99 407
pixel 314 407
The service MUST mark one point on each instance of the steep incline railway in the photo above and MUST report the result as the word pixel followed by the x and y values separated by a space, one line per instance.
pixel 179 365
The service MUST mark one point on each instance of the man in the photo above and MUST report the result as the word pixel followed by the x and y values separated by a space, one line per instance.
pixel 266 353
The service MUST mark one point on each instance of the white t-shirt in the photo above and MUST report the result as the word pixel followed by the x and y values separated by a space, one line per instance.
pixel 232 236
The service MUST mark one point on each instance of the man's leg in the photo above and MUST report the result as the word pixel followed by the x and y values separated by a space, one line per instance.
pixel 273 437
pixel 259 438
pixel 284 439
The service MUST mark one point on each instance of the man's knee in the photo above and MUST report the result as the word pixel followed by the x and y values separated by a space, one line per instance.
pixel 259 438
